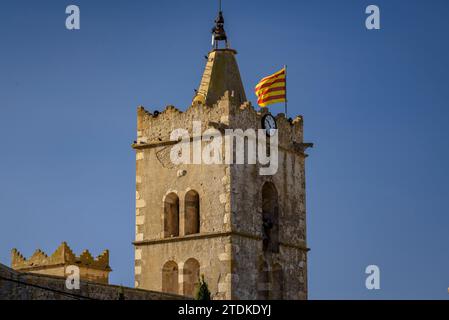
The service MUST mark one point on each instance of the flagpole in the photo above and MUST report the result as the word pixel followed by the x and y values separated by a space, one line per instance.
pixel 286 99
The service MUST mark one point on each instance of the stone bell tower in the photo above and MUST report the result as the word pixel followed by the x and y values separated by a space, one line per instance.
pixel 245 232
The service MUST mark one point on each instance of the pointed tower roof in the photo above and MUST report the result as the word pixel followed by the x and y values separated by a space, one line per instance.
pixel 220 75
pixel 222 72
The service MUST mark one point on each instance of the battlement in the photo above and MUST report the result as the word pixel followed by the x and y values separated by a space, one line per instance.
pixel 93 269
pixel 156 127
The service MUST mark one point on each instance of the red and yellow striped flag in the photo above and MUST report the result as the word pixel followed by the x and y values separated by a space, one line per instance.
pixel 272 89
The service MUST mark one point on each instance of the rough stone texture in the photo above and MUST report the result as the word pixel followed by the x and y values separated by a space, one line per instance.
pixel 91 269
pixel 220 75
pixel 27 286
pixel 229 246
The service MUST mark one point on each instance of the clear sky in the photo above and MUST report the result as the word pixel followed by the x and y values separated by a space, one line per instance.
pixel 375 104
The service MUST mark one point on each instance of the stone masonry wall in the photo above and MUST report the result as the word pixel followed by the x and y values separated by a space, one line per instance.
pixel 246 211
pixel 229 246
pixel 25 286
pixel 156 178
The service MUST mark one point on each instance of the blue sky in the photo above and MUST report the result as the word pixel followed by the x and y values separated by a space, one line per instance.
pixel 375 104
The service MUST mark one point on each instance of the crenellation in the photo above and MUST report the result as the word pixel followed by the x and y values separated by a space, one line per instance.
pixel 92 269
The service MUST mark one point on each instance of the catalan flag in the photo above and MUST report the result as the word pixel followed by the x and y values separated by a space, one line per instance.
pixel 272 89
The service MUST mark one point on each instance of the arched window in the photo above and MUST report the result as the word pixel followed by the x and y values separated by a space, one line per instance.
pixel 277 282
pixel 192 213
pixel 263 282
pixel 171 215
pixel 170 277
pixel 270 218
pixel 191 275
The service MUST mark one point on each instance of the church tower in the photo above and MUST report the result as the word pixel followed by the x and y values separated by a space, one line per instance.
pixel 245 232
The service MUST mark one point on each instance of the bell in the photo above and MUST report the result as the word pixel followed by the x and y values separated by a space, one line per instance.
pixel 218 31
